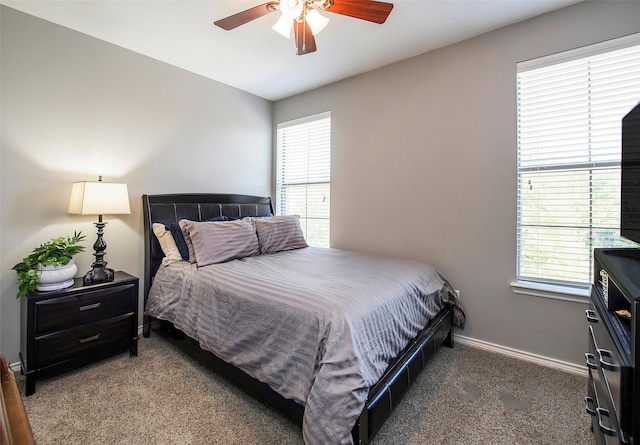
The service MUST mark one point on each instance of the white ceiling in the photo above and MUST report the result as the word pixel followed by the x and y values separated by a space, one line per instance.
pixel 256 59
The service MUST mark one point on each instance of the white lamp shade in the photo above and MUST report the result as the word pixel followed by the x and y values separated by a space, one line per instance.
pixel 99 198
pixel 283 26
pixel 291 9
pixel 316 21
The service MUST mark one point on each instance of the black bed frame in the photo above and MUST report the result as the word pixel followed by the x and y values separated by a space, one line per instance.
pixel 383 397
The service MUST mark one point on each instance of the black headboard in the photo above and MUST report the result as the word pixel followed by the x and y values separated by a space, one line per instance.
pixel 172 208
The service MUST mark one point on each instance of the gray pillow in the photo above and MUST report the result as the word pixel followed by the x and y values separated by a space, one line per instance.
pixel 217 242
pixel 279 233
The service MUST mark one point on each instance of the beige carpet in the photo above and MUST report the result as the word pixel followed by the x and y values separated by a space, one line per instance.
pixel 466 396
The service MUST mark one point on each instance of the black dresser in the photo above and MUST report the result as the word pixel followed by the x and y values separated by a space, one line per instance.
pixel 613 393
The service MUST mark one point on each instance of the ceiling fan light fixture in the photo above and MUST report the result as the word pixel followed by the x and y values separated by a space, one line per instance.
pixel 302 17
pixel 316 21
pixel 283 26
pixel 292 9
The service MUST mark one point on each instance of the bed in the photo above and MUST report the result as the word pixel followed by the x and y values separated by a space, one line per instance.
pixel 272 323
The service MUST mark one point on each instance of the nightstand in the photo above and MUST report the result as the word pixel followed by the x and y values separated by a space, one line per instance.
pixel 66 329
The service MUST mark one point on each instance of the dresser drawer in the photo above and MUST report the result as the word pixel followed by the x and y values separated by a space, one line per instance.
pixel 57 314
pixel 592 404
pixel 606 418
pixel 615 373
pixel 62 345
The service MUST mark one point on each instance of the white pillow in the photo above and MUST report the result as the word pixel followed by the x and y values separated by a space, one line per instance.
pixel 167 243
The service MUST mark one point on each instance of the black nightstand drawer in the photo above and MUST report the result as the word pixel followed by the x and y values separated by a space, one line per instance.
pixel 63 345
pixel 68 312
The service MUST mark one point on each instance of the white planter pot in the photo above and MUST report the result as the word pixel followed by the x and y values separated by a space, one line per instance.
pixel 56 277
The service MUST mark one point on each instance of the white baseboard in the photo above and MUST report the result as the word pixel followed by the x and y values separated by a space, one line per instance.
pixel 522 355
pixel 15 367
pixel 480 344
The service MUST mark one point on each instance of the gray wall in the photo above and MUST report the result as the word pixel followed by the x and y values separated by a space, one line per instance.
pixel 424 166
pixel 73 108
pixel 423 162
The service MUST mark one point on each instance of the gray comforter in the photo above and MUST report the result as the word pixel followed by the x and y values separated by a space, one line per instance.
pixel 319 326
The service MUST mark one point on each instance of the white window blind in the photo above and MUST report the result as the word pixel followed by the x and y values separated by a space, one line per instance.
pixel 303 174
pixel 570 107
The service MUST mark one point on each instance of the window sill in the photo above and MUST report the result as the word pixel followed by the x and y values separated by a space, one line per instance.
pixel 555 292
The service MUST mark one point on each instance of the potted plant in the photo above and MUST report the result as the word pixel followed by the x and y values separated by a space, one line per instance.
pixel 50 266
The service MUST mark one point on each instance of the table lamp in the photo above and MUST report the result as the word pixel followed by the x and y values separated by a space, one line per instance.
pixel 99 198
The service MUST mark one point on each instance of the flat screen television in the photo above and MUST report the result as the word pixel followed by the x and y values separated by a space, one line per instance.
pixel 630 182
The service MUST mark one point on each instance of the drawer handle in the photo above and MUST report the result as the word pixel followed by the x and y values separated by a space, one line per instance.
pixel 88 339
pixel 591 360
pixel 588 402
pixel 88 307
pixel 610 366
pixel 605 429
pixel 591 316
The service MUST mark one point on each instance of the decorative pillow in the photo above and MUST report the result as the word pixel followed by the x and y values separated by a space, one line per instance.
pixel 279 233
pixel 167 243
pixel 183 223
pixel 217 242
pixel 178 238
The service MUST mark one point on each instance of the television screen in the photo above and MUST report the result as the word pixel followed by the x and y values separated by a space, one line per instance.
pixel 630 183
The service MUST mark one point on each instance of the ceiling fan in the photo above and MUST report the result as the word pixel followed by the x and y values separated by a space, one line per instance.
pixel 303 17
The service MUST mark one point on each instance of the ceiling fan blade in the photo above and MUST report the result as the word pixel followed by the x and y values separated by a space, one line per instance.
pixel 235 20
pixel 369 10
pixel 305 42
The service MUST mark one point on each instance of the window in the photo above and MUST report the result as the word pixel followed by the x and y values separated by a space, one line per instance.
pixel 570 107
pixel 303 175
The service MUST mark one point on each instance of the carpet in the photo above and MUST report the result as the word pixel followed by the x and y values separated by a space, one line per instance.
pixel 465 396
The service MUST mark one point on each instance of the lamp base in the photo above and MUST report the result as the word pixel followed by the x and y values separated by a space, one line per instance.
pixel 99 274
